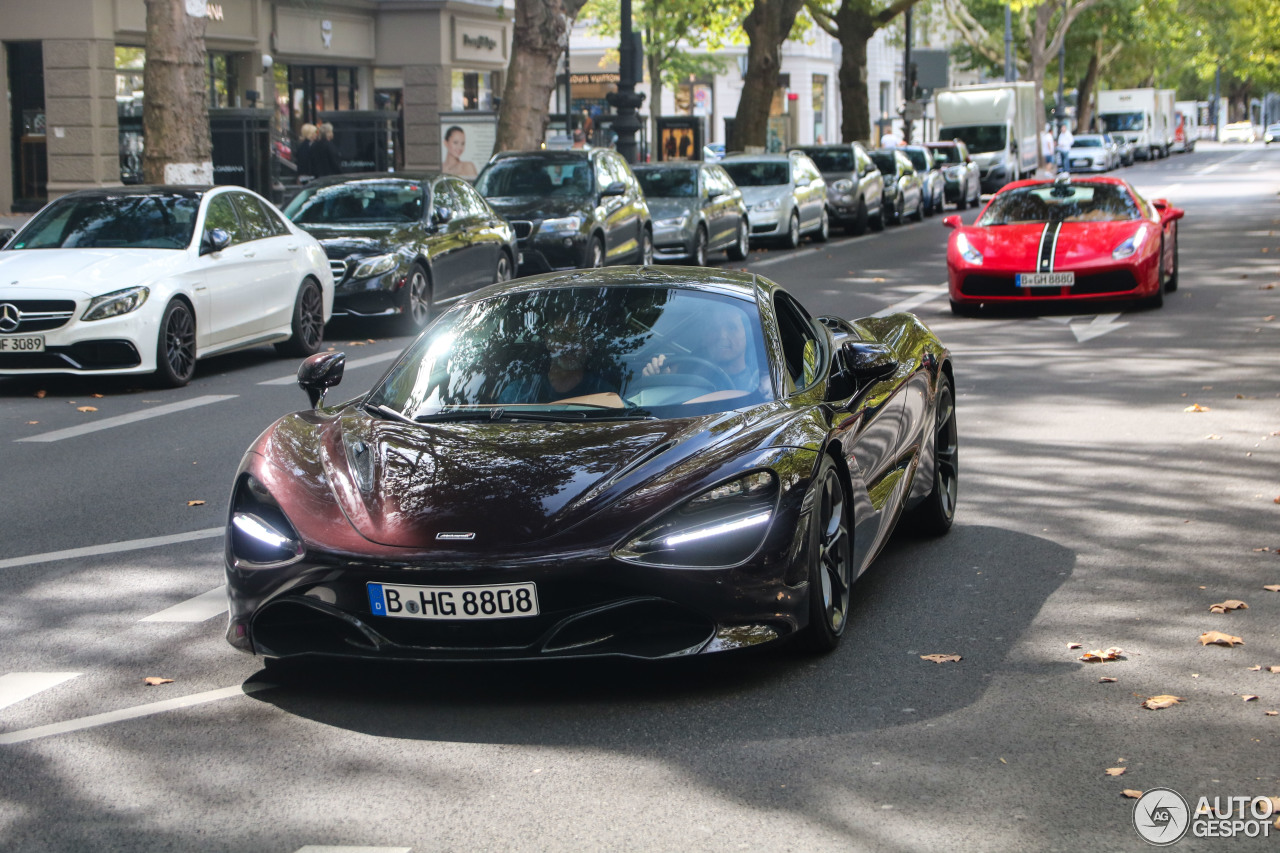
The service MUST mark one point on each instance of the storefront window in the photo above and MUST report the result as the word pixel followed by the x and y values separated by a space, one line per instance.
pixel 474 90
pixel 314 89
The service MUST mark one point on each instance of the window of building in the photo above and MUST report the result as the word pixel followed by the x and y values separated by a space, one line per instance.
pixel 474 90
pixel 819 108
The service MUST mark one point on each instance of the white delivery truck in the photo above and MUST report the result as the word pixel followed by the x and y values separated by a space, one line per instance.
pixel 998 124
pixel 1186 126
pixel 1142 116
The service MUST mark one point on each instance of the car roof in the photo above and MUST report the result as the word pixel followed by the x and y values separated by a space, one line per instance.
pixel 186 190
pixel 547 154
pixel 1081 179
pixel 348 177
pixel 760 158
pixel 739 285
pixel 669 164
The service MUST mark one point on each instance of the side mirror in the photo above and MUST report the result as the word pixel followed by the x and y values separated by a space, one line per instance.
pixel 859 365
pixel 615 188
pixel 5 233
pixel 440 215
pixel 320 372
pixel 214 240
pixel 952 221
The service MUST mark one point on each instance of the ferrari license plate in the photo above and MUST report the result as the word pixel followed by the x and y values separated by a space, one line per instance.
pixel 1045 279
pixel 24 343
pixel 499 601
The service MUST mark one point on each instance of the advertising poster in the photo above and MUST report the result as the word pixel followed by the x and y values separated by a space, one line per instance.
pixel 466 142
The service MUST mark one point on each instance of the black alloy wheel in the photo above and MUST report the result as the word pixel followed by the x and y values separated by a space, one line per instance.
pixel 962 199
pixel 1157 299
pixel 935 514
pixel 823 234
pixel 860 219
pixel 742 245
pixel 894 208
pixel 307 328
pixel 595 254
pixel 699 254
pixel 176 347
pixel 919 217
pixel 830 562
pixel 878 221
pixel 503 271
pixel 793 231
pixel 646 248
pixel 415 301
pixel 1172 284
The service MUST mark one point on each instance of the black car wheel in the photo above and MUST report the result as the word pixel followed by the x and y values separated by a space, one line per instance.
pixel 415 301
pixel 919 215
pixel 894 207
pixel 503 271
pixel 699 254
pixel 738 251
pixel 830 562
pixel 860 219
pixel 308 323
pixel 594 258
pixel 646 247
pixel 793 231
pixel 1172 284
pixel 935 514
pixel 878 221
pixel 823 234
pixel 176 347
pixel 962 198
pixel 1156 300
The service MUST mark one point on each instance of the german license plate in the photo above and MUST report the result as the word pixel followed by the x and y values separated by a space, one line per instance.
pixel 498 601
pixel 1045 279
pixel 25 343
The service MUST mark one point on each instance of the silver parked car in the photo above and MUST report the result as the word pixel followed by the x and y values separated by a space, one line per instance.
pixel 1123 148
pixel 1090 153
pixel 785 194
pixel 903 189
pixel 696 209
pixel 933 182
pixel 855 187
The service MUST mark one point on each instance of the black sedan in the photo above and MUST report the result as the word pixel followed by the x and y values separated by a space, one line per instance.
pixel 404 244
pixel 640 462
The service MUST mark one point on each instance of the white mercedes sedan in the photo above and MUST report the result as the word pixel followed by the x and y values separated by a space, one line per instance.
pixel 146 280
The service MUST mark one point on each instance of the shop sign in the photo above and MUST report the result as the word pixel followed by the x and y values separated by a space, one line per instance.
pixel 476 41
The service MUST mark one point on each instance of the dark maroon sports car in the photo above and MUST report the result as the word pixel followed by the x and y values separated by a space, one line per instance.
pixel 638 462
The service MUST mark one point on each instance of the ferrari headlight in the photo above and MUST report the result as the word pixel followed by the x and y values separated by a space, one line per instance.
pixel 966 250
pixel 117 303
pixel 721 527
pixel 259 535
pixel 767 204
pixel 567 225
pixel 376 265
pixel 673 222
pixel 1130 246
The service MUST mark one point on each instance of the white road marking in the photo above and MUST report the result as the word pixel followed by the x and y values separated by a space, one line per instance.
pixel 1100 325
pixel 790 256
pixel 913 301
pixel 150 709
pixel 17 686
pixel 292 379
pixel 112 548
pixel 329 848
pixel 1209 170
pixel 204 606
pixel 121 420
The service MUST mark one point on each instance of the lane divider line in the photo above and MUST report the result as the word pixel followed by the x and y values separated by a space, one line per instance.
pixel 134 417
pixel 351 365
pixel 913 301
pixel 112 548
pixel 204 606
pixel 17 686
pixel 148 710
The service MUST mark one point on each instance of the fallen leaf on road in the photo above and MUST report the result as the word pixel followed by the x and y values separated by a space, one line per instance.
pixel 98 396
pixel 1272 587
pixel 1273 714
pixel 1248 697
pixel 31 423
pixel 1255 668
pixel 1196 407
pixel 941 658
pixel 1213 437
pixel 1115 771
pixel 1218 638
pixel 1106 679
pixel 156 681
pixel 1075 645
pixel 1131 794
pixel 1273 669
pixel 355 343
pixel 1268 318
pixel 40 394
pixel 195 503
pixel 1229 604
pixel 1102 655
pixel 1243 397
pixel 86 408
pixel 1164 700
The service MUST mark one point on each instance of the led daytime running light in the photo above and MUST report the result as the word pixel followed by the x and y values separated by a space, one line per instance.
pixel 719 529
pixel 251 525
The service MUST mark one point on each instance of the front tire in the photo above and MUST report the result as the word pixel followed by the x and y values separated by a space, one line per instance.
pixel 860 219
pixel 792 240
pixel 823 234
pixel 502 272
pixel 936 513
pixel 742 246
pixel 830 562
pixel 646 248
pixel 176 346
pixel 308 323
pixel 415 301
pixel 1172 284
pixel 594 259
pixel 699 254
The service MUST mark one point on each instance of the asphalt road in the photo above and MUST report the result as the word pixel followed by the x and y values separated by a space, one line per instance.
pixel 1094 509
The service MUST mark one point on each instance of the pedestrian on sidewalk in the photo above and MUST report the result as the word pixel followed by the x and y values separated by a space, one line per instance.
pixel 1065 140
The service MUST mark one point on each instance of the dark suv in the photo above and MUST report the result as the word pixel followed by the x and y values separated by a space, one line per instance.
pixel 576 208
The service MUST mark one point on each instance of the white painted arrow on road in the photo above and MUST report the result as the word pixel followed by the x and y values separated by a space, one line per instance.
pixel 1097 327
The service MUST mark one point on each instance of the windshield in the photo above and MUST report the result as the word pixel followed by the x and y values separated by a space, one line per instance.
pixel 950 154
pixel 113 222
pixel 831 159
pixel 359 201
pixel 1122 121
pixel 918 159
pixel 584 352
pixel 885 162
pixel 1070 203
pixel 1087 142
pixel 668 183
pixel 979 140
pixel 758 174
pixel 532 176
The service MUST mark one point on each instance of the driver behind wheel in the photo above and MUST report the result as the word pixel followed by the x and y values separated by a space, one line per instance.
pixel 722 341
pixel 568 374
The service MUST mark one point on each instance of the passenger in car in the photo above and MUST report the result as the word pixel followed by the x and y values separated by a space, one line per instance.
pixel 722 341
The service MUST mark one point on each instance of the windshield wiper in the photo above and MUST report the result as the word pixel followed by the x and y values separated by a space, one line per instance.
pixel 498 413
pixel 389 414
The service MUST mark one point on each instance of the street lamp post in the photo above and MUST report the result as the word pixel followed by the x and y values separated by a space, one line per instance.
pixel 1062 70
pixel 626 100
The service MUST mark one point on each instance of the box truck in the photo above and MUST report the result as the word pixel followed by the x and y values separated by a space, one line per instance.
pixel 999 125
pixel 1186 126
pixel 1142 116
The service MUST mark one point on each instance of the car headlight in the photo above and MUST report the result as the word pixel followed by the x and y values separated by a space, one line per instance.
pixel 767 204
pixel 117 303
pixel 567 224
pixel 720 527
pixel 1130 246
pixel 844 186
pixel 376 265
pixel 966 250
pixel 673 222
pixel 259 535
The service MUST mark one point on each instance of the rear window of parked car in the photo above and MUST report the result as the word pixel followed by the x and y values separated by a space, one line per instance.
pixel 759 174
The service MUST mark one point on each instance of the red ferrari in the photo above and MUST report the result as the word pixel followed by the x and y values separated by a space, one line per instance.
pixel 1088 239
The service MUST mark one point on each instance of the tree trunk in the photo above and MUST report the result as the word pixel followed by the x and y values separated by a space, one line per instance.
pixel 541 33
pixel 767 27
pixel 1084 100
pixel 1039 60
pixel 175 111
pixel 855 31
pixel 655 97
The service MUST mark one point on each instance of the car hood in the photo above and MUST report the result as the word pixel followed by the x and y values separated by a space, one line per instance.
pixel 539 207
pixel 341 241
pixel 505 485
pixel 90 272
pixel 754 195
pixel 667 208
pixel 1017 247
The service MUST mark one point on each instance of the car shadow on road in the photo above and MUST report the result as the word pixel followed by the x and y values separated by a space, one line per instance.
pixel 973 593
